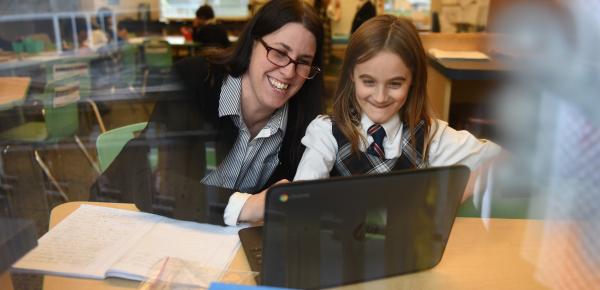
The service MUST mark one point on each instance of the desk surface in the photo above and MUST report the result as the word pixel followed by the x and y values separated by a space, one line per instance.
pixel 48 57
pixel 475 258
pixel 17 237
pixel 472 70
pixel 174 40
pixel 13 90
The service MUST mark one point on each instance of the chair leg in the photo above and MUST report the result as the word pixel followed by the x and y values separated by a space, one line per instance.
pixel 87 154
pixel 145 82
pixel 50 176
pixel 131 88
pixel 97 114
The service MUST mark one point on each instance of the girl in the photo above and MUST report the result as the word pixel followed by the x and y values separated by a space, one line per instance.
pixel 381 120
pixel 258 97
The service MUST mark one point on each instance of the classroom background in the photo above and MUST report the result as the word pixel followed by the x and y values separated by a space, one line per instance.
pixel 78 78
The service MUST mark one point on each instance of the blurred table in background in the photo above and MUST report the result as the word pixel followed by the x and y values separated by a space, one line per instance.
pixel 464 90
pixel 13 91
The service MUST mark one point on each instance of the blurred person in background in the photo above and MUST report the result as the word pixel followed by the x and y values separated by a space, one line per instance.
pixel 207 31
pixel 328 10
pixel 102 31
pixel 365 11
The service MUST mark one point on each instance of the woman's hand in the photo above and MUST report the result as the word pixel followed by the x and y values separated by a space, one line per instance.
pixel 254 209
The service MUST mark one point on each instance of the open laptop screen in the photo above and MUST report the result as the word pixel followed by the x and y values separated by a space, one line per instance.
pixel 344 230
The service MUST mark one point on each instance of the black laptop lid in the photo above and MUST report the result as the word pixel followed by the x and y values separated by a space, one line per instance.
pixel 344 230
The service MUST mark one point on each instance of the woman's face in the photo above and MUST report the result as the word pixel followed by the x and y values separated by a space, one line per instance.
pixel 381 86
pixel 272 86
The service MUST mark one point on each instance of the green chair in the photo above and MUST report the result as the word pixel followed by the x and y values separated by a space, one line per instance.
pixel 158 59
pixel 129 65
pixel 59 103
pixel 110 143
pixel 80 68
pixel 157 54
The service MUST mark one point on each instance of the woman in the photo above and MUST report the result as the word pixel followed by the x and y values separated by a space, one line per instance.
pixel 257 100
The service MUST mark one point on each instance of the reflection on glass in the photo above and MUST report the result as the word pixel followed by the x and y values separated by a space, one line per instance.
pixel 551 113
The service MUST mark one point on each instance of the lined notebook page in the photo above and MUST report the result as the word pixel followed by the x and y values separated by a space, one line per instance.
pixel 209 246
pixel 88 242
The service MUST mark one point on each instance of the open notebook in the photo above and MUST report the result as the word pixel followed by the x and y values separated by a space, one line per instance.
pixel 98 242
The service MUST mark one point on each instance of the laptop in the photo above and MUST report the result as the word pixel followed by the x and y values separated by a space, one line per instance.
pixel 344 230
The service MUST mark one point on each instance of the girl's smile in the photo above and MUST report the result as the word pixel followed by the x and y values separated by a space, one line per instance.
pixel 381 84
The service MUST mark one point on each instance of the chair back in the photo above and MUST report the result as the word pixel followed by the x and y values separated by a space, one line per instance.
pixel 110 143
pixel 129 64
pixel 67 68
pixel 60 99
pixel 157 54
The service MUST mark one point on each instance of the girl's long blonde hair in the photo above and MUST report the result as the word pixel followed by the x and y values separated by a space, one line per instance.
pixel 395 35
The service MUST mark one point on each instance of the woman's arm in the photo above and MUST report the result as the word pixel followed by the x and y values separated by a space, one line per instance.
pixel 253 209
pixel 316 162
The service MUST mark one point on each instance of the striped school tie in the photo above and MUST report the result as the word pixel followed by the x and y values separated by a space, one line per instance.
pixel 376 148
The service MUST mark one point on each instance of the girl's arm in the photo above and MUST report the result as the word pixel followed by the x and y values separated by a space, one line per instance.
pixel 450 147
pixel 321 149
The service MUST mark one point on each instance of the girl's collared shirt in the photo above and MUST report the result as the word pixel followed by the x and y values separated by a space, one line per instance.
pixel 447 146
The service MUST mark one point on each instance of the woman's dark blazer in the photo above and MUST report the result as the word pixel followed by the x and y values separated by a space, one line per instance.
pixel 179 127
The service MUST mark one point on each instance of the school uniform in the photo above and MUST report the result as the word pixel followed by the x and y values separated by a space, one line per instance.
pixel 327 154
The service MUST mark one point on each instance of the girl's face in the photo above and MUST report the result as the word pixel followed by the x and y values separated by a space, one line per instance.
pixel 272 86
pixel 381 86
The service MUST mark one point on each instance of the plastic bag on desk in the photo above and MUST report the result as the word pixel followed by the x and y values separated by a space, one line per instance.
pixel 178 274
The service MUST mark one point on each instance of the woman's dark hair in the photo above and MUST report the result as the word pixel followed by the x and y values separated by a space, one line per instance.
pixel 205 12
pixel 270 18
pixel 307 103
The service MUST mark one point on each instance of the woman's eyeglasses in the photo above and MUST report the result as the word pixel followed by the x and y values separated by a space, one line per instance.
pixel 281 59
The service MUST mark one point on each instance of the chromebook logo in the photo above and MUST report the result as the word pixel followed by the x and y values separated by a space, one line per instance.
pixel 283 197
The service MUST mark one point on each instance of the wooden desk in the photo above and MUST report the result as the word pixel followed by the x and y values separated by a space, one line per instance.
pixel 63 283
pixel 475 258
pixel 31 61
pixel 463 81
pixel 13 91
pixel 466 82
pixel 176 42
pixel 5 281
pixel 17 237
